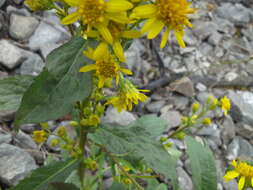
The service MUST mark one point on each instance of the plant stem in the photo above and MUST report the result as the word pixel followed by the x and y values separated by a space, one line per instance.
pixel 83 139
pixel 114 159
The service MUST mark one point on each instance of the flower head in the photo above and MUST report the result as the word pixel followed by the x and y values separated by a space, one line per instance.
pixel 225 105
pixel 243 171
pixel 127 96
pixel 118 32
pixel 97 13
pixel 171 14
pixel 39 136
pixel 106 66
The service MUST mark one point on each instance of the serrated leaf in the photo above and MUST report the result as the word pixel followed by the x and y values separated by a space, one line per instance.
pixel 62 186
pixel 202 165
pixel 153 125
pixel 58 87
pixel 140 143
pixel 12 90
pixel 42 177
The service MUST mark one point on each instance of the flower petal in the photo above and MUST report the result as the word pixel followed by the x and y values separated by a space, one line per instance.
pixel 148 24
pixel 156 29
pixel 100 51
pixel 126 71
pixel 115 6
pixel 118 17
pixel 241 183
pixel 179 36
pixel 73 3
pixel 144 11
pixel 118 50
pixel 231 175
pixel 71 18
pixel 131 34
pixel 88 68
pixel 105 33
pixel 165 38
pixel 234 163
pixel 252 182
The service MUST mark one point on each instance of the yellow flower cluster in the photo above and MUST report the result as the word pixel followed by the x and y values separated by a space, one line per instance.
pixel 243 171
pixel 112 23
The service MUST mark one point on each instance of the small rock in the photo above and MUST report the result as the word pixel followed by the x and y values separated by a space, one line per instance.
pixel 204 29
pixel 18 1
pixel 215 38
pixel 6 116
pixel 201 87
pixel 28 128
pixel 15 164
pixel 112 116
pixel 156 106
pixel 10 55
pixel 242 109
pixel 13 10
pixel 22 27
pixel 33 65
pixel 184 180
pixel 237 13
pixel 44 36
pixel 183 86
pixel 24 141
pixel 173 117
pixel 180 102
pixel 230 185
pixel 228 130
pixel 244 130
pixel 5 138
pixel 2 2
pixel 231 76
pixel 239 147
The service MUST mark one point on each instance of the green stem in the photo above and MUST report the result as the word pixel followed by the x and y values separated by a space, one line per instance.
pixel 83 139
pixel 114 159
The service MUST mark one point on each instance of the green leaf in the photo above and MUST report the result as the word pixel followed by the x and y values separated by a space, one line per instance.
pixel 137 142
pixel 12 90
pixel 62 186
pixel 58 87
pixel 162 187
pixel 42 177
pixel 152 124
pixel 202 165
pixel 117 186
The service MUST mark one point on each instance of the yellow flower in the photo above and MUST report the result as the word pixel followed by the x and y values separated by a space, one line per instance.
pixel 106 66
pixel 92 120
pixel 225 105
pixel 195 107
pixel 212 102
pixel 37 5
pixel 127 96
pixel 171 14
pixel 97 14
pixel 55 142
pixel 118 32
pixel 207 121
pixel 61 131
pixel 243 171
pixel 39 136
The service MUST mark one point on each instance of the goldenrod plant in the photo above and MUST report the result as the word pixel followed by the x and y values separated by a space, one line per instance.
pixel 139 155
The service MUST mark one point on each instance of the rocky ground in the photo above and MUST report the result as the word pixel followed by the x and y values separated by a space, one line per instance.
pixel 218 61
